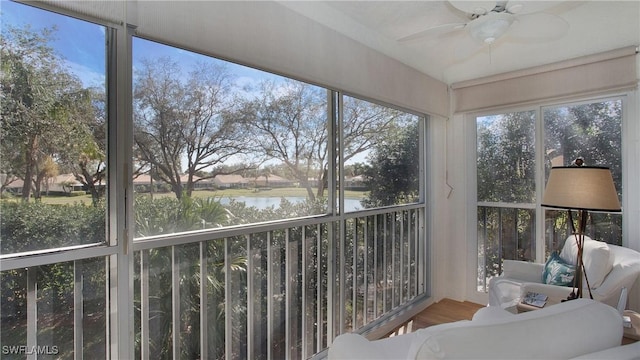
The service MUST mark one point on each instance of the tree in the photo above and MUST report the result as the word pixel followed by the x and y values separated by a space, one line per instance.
pixel 29 70
pixel 591 131
pixel 49 170
pixel 506 158
pixel 290 124
pixel 506 173
pixel 46 112
pixel 355 169
pixel 178 120
pixel 393 176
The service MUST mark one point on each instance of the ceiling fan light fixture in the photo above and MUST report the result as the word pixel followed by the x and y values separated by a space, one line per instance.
pixel 489 28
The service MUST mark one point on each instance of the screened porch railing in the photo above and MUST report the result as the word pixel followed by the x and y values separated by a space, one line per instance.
pixel 280 293
pixel 283 291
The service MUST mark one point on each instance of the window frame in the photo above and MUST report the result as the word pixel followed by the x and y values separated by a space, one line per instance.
pixel 119 247
pixel 629 107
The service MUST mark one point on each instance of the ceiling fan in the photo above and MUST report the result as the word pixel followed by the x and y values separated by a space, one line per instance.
pixel 491 20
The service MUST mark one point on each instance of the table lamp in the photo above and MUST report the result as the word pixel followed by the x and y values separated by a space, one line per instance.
pixel 581 188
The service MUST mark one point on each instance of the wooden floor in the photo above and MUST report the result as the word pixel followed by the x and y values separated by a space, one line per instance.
pixel 444 311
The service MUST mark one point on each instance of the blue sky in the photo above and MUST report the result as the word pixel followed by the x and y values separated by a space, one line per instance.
pixel 82 45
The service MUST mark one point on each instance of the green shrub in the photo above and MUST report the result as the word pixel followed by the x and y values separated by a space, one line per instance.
pixel 170 215
pixel 7 195
pixel 26 226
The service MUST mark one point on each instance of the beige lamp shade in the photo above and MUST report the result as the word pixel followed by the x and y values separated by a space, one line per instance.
pixel 581 188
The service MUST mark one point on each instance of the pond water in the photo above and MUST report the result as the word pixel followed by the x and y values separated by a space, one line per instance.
pixel 265 202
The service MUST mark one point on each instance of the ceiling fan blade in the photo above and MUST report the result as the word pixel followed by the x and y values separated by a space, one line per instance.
pixel 433 32
pixel 473 7
pixel 538 27
pixel 528 7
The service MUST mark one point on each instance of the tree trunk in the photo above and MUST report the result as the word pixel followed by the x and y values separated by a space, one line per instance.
pixel 28 174
pixel 322 183
pixel 37 185
pixel 177 189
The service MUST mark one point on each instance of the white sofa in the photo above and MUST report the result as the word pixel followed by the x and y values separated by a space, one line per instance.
pixel 609 268
pixel 577 329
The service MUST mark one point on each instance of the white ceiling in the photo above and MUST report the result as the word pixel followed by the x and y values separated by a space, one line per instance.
pixel 453 56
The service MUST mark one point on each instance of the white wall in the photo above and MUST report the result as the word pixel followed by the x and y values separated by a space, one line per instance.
pixel 451 205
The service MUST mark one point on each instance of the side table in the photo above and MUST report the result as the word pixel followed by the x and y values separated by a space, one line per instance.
pixel 522 307
pixel 632 334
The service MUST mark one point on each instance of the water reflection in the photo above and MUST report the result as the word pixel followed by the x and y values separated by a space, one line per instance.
pixel 267 201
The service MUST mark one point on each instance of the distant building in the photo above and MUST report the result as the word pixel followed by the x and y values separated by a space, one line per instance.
pixel 232 181
pixel 272 181
pixel 14 186
pixel 142 183
pixel 64 183
pixel 60 184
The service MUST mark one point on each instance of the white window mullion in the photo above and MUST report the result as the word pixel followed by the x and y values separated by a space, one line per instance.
pixel 540 184
pixel 120 215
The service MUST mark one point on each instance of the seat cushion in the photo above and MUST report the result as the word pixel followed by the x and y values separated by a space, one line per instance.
pixel 561 331
pixel 596 257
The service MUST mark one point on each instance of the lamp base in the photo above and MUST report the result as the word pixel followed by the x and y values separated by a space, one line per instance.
pixel 571 296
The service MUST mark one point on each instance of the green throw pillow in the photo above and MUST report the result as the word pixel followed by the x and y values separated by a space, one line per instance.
pixel 557 271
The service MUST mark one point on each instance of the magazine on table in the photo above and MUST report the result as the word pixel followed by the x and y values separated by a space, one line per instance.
pixel 535 299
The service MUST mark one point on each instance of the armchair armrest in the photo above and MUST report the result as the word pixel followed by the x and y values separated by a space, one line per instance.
pixel 620 276
pixel 522 270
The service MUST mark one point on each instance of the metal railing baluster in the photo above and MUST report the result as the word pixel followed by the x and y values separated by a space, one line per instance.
pixel 288 291
pixel 319 293
pixel 394 277
pixel 78 308
pixel 376 243
pixel 144 305
pixel 401 243
pixel 270 294
pixel 32 310
pixel 228 324
pixel 204 301
pixel 342 283
pixel 249 298
pixel 385 268
pixel 304 272
pixel 354 275
pixel 175 302
pixel 365 270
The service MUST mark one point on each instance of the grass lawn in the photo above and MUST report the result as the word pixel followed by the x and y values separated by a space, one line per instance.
pixel 230 193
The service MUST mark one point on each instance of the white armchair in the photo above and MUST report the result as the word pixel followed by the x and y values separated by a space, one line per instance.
pixel 609 268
